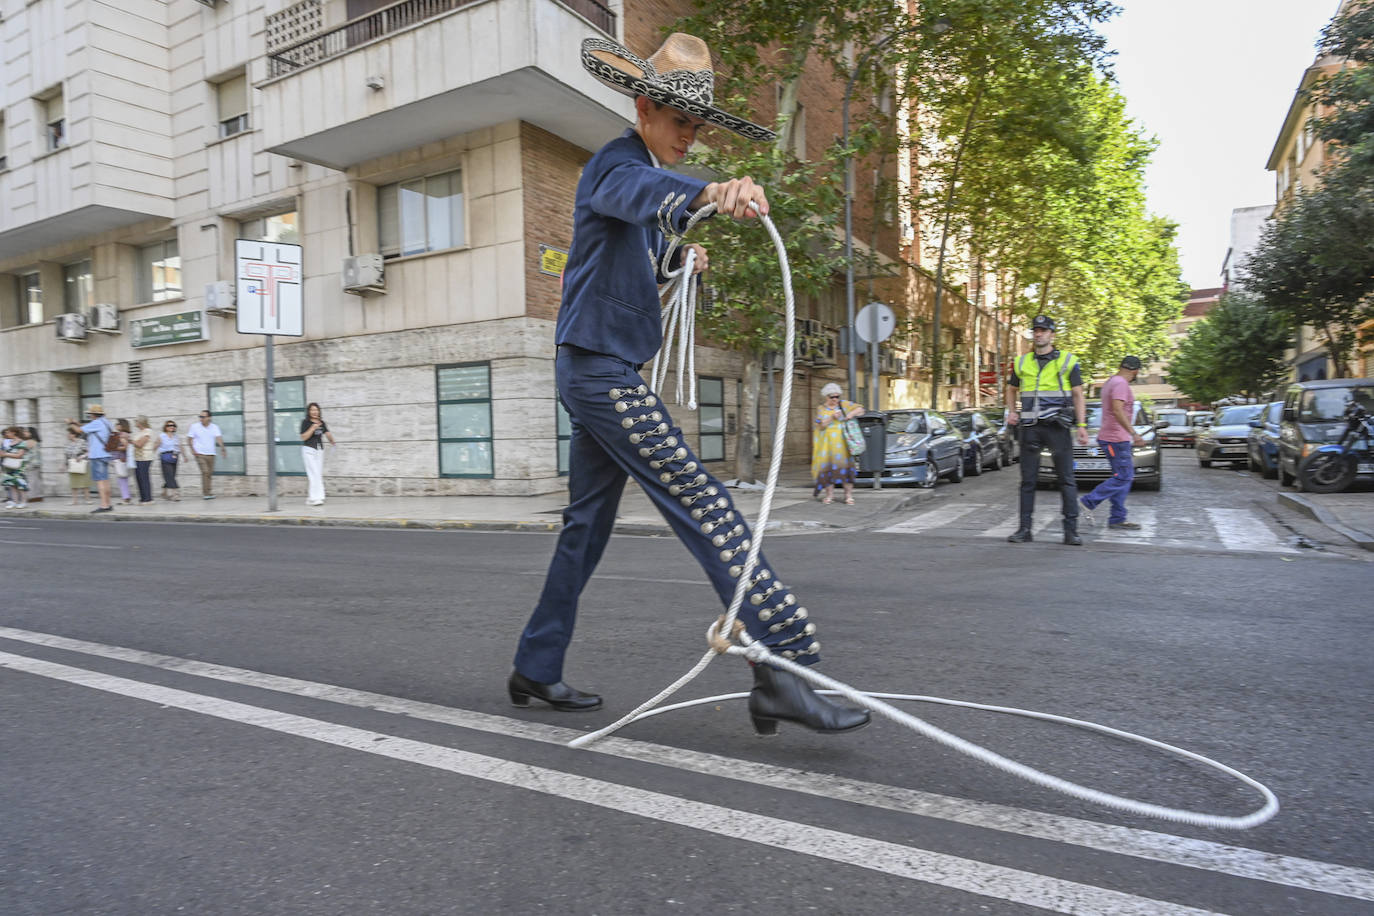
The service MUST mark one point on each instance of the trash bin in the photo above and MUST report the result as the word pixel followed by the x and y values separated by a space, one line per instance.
pixel 873 425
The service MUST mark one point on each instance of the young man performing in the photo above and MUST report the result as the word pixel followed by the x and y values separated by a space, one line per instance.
pixel 608 327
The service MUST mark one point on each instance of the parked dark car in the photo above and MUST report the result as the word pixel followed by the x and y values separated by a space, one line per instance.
pixel 1262 443
pixel 982 447
pixel 1224 439
pixel 1091 465
pixel 1006 435
pixel 1314 415
pixel 921 448
pixel 1179 428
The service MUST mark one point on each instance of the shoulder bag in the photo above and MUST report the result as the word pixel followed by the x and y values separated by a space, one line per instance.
pixel 77 465
pixel 853 437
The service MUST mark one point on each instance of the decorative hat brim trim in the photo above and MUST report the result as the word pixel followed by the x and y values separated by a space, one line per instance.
pixel 633 84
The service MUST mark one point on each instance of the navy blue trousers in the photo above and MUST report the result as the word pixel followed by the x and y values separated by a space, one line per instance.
pixel 1116 487
pixel 620 429
pixel 1058 441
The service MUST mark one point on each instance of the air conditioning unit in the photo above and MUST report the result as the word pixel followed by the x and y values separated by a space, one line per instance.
pixel 104 317
pixel 219 297
pixel 801 350
pixel 825 347
pixel 364 274
pixel 71 327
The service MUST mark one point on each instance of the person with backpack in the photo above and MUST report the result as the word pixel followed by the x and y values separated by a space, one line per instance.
pixel 100 438
pixel 1044 401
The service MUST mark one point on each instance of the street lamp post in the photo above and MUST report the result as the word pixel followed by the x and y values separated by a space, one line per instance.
pixel 940 26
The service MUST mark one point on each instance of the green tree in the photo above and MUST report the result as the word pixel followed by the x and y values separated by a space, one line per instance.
pixel 1314 264
pixel 1238 349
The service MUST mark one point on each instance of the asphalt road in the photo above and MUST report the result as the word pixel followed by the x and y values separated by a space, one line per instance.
pixel 224 719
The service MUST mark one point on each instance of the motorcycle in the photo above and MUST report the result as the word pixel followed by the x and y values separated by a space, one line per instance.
pixel 1332 468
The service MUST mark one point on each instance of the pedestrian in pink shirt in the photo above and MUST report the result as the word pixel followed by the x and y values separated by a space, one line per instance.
pixel 1117 438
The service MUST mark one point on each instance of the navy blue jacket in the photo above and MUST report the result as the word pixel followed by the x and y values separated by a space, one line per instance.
pixel 610 288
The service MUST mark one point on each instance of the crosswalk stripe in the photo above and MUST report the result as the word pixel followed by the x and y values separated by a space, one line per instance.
pixel 940 869
pixel 935 518
pixel 1241 529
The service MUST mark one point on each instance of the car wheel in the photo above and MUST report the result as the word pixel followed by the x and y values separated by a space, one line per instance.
pixel 975 467
pixel 932 473
pixel 1269 468
pixel 1285 479
pixel 957 475
pixel 1001 460
pixel 1250 463
pixel 1152 485
pixel 1004 457
pixel 1202 462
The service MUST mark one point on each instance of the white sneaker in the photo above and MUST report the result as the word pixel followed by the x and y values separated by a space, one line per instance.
pixel 9 504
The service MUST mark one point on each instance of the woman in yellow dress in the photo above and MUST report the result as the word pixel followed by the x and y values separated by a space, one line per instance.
pixel 831 462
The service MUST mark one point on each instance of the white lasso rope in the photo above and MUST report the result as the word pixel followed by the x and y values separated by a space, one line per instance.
pixel 678 312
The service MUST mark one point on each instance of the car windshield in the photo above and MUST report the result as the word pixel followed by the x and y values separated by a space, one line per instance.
pixel 906 422
pixel 960 421
pixel 1324 404
pixel 1175 417
pixel 1094 416
pixel 1238 415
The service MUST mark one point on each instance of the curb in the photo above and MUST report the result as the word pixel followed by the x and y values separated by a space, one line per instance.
pixel 1314 511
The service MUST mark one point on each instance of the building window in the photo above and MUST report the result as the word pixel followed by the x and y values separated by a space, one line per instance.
pixel 279 227
pixel 30 299
pixel 425 214
pixel 464 406
pixel 78 287
pixel 564 436
pixel 226 412
pixel 159 272
pixel 711 410
pixel 54 115
pixel 233 105
pixel 88 387
pixel 288 410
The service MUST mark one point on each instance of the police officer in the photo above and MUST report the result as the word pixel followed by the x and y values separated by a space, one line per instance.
pixel 1044 398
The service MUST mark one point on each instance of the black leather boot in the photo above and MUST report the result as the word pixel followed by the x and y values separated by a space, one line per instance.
pixel 560 696
pixel 1021 536
pixel 1071 533
pixel 781 696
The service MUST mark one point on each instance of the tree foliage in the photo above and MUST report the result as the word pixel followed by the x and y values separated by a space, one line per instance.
pixel 1237 349
pixel 1314 264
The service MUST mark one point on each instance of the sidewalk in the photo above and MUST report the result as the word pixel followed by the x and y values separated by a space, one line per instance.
pixel 794 510
pixel 1350 515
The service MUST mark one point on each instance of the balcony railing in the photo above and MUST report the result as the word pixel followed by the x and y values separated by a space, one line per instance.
pixel 383 22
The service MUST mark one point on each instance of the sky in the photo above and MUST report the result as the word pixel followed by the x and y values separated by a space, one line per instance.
pixel 1212 80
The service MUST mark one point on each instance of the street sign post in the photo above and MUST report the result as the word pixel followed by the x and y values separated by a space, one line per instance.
pixel 875 324
pixel 270 282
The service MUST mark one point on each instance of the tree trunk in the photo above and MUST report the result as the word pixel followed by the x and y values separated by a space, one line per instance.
pixel 746 441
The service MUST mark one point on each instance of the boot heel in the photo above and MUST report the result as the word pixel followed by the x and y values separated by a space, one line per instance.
pixel 519 699
pixel 764 728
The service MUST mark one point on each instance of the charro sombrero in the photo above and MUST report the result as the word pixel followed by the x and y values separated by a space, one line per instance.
pixel 677 74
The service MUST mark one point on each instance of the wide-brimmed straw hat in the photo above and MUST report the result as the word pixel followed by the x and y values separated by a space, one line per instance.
pixel 677 74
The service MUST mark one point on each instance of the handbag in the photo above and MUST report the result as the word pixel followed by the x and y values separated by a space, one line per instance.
pixel 121 467
pixel 78 465
pixel 853 437
pixel 13 464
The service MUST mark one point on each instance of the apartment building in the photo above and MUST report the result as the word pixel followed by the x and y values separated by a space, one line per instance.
pixel 1296 160
pixel 423 154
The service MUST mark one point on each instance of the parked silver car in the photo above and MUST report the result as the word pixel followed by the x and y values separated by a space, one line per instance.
pixel 1225 439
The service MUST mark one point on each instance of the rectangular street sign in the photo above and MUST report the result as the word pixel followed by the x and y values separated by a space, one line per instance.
pixel 168 329
pixel 270 281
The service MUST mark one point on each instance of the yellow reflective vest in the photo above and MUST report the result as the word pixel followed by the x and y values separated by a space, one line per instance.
pixel 1050 381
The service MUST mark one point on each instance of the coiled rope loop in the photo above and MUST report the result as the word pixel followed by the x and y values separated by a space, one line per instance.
pixel 678 325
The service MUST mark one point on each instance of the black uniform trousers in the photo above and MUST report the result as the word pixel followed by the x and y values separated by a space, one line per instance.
pixel 1058 441
pixel 620 429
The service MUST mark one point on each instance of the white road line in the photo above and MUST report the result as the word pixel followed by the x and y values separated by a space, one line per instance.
pixel 1241 529
pixel 970 876
pixel 935 518
pixel 55 544
pixel 1291 871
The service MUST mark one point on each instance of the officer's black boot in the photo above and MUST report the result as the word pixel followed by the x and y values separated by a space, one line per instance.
pixel 1071 533
pixel 781 696
pixel 1022 534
